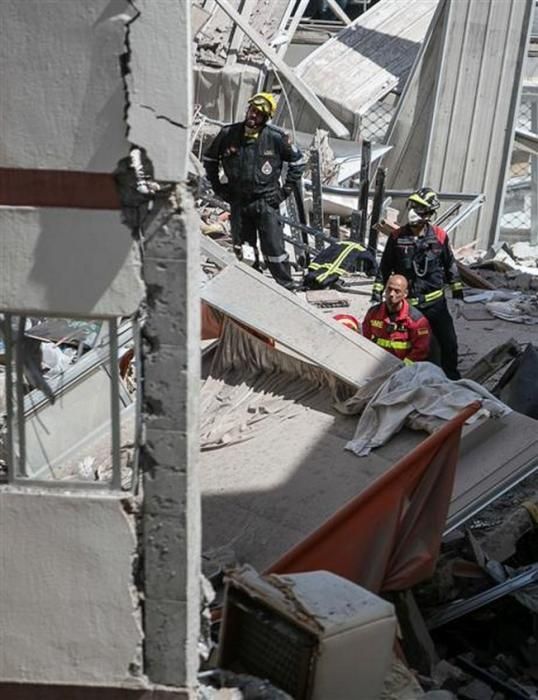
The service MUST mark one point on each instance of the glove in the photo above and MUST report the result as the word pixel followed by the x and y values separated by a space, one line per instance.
pixel 222 191
pixel 376 298
pixel 276 199
pixel 285 192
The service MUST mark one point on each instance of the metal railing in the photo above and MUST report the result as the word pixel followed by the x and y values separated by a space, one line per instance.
pixel 78 389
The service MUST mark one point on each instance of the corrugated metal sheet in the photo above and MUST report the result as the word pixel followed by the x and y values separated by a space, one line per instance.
pixel 454 127
pixel 365 61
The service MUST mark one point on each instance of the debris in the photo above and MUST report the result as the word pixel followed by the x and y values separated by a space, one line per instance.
pixel 501 541
pixel 517 387
pixel 416 642
pixel 326 298
pixel 455 610
pixel 493 361
pixel 401 683
pixel 226 685
pixel 473 279
pixel 522 309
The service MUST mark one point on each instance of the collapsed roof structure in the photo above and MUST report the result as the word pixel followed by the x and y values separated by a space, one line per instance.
pixel 276 475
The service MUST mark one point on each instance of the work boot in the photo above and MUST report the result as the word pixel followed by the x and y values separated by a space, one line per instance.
pixel 292 286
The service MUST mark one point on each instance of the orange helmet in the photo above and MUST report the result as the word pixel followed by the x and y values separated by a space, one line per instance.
pixel 349 321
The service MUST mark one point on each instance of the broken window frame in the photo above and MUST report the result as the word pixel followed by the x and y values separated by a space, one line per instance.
pixel 17 472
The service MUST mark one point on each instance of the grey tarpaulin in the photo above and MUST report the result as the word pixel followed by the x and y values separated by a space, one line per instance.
pixel 418 395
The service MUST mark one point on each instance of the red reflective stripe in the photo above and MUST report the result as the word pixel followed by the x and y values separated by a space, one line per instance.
pixel 57 188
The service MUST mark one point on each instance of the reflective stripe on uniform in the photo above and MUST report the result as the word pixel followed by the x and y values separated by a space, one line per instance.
pixel 456 286
pixel 407 361
pixel 334 266
pixel 277 258
pixel 376 324
pixel 377 287
pixel 431 296
pixel 394 344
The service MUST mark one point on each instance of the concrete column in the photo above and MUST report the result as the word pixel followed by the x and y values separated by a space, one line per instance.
pixel 171 511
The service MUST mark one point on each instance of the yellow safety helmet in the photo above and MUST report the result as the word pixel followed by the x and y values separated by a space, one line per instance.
pixel 424 201
pixel 265 102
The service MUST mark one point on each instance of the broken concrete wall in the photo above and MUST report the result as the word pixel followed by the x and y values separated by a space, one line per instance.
pixel 67 609
pixel 98 78
pixel 62 135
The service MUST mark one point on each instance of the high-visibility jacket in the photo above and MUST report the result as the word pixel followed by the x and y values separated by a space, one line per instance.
pixel 425 260
pixel 405 334
pixel 337 259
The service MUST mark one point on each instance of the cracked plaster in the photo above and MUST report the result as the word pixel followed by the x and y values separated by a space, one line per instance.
pixel 157 79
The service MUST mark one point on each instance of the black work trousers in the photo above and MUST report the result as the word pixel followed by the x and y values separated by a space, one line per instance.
pixel 444 332
pixel 258 219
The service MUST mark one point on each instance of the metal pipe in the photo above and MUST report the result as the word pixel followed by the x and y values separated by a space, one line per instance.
pixel 366 156
pixel 506 687
pixel 334 226
pixel 469 209
pixel 448 213
pixel 395 194
pixel 316 220
pixel 453 611
pixel 377 204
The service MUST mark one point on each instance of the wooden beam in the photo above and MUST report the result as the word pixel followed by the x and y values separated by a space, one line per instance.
pixel 337 128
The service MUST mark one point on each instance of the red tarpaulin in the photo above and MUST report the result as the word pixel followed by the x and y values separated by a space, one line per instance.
pixel 388 537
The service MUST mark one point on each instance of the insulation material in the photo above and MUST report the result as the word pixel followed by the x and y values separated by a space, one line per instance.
pixel 388 537
pixel 250 384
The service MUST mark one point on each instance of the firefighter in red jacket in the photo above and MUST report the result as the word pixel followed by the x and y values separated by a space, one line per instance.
pixel 396 326
pixel 421 252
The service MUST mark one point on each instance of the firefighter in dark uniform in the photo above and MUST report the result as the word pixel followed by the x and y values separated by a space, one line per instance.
pixel 252 153
pixel 396 326
pixel 421 252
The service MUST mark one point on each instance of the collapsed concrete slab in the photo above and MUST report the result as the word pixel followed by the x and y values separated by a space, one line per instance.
pixel 274 467
pixel 258 302
pixel 370 58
